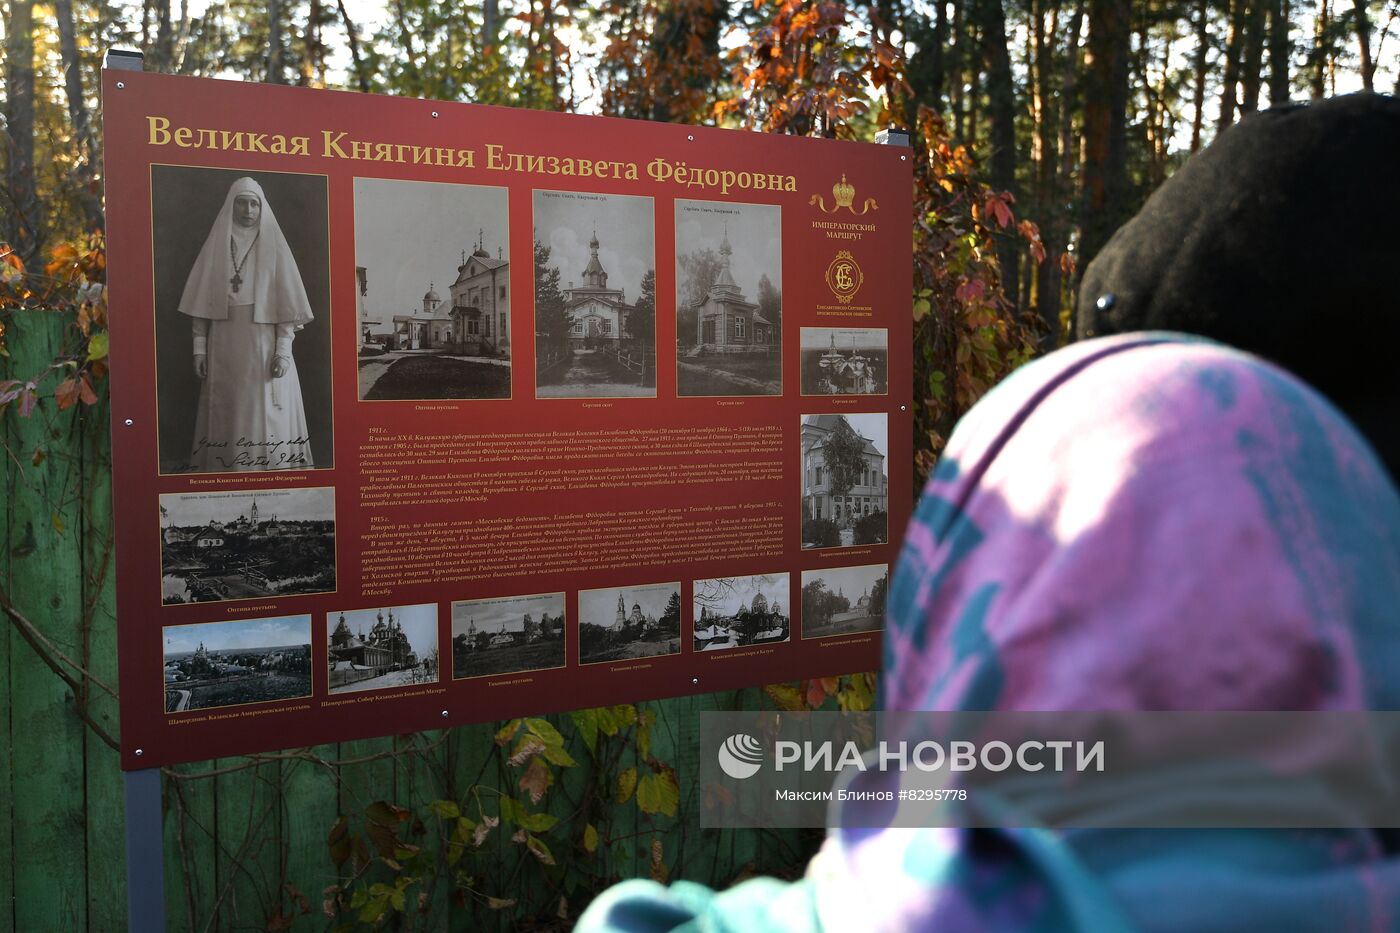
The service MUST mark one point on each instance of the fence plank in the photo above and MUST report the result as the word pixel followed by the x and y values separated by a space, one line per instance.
pixel 7 772
pixel 190 847
pixel 44 583
pixel 309 811
pixel 106 818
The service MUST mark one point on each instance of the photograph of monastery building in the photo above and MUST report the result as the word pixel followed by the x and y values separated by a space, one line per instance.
pixel 506 634
pixel 844 600
pixel 432 280
pixel 623 623
pixel 371 649
pixel 845 494
pixel 213 664
pixel 244 545
pixel 729 298
pixel 731 612
pixel 595 295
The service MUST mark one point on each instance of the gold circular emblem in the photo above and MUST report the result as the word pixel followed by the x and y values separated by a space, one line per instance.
pixel 844 277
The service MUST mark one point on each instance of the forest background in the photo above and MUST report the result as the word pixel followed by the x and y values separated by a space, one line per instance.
pixel 1039 126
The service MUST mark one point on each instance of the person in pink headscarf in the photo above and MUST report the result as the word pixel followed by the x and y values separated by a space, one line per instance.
pixel 246 301
pixel 1148 522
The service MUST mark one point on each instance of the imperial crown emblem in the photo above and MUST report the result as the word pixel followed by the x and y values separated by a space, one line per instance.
pixel 844 194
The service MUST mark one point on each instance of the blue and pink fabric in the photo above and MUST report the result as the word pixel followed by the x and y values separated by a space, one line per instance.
pixel 1145 522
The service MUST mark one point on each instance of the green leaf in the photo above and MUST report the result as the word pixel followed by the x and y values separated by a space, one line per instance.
pixel 586 722
pixel 537 822
pixel 626 783
pixel 97 347
pixel 544 730
pixel 511 811
pixel 507 732
pixel 590 838
pixel 658 793
pixel 540 850
pixel 445 809
pixel 555 754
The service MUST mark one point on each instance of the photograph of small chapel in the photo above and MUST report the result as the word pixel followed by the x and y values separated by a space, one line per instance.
pixel 432 281
pixel 729 299
pixel 595 295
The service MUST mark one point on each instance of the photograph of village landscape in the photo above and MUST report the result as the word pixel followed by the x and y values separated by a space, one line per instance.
pixel 845 489
pixel 374 649
pixel 244 545
pixel 845 360
pixel 507 634
pixel 624 623
pixel 733 612
pixel 729 299
pixel 595 295
pixel 432 278
pixel 241 661
pixel 844 600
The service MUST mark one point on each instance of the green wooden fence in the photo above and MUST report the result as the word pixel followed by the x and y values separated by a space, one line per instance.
pixel 246 842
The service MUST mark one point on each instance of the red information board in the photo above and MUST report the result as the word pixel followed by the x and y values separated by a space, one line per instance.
pixel 431 413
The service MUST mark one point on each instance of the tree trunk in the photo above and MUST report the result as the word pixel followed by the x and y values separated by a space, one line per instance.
pixel 1363 44
pixel 1318 84
pixel 361 75
pixel 1280 50
pixel 26 226
pixel 84 171
pixel 1198 91
pixel 1105 201
pixel 275 69
pixel 1252 71
pixel 956 71
pixel 1233 49
pixel 164 52
pixel 1055 233
pixel 1001 112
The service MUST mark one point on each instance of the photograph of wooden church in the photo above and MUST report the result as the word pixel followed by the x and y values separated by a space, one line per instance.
pixel 595 295
pixel 506 634
pixel 372 649
pixel 845 487
pixel 432 281
pixel 732 612
pixel 628 622
pixel 729 298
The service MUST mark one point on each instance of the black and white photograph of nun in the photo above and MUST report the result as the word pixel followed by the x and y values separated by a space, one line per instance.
pixel 242 315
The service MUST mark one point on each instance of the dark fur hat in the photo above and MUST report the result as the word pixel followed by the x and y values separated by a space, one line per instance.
pixel 1281 238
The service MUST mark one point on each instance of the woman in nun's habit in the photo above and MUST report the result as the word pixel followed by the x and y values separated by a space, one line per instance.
pixel 246 302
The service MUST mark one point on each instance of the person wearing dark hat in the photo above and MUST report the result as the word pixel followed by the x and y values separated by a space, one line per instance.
pixel 1281 238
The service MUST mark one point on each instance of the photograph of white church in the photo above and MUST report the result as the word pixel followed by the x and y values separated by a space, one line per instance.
pixel 729 298
pixel 432 281
pixel 733 612
pixel 595 295
pixel 505 634
pixel 623 623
